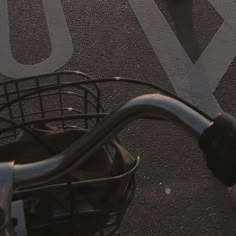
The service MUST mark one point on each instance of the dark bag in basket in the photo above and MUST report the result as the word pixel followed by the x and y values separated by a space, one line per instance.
pixel 73 209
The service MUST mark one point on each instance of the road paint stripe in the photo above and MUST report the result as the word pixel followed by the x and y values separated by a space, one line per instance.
pixel 167 47
pixel 61 43
pixel 190 81
pixel 201 78
pixel 210 69
pixel 200 91
pixel 227 10
pixel 218 55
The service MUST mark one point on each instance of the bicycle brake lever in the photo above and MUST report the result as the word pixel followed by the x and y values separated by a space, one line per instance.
pixel 219 143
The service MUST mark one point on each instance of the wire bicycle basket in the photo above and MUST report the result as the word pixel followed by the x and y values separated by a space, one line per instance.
pixel 43 115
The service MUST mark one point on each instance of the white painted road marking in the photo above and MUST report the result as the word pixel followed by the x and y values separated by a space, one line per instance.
pixel 195 83
pixel 218 55
pixel 167 47
pixel 227 10
pixel 61 43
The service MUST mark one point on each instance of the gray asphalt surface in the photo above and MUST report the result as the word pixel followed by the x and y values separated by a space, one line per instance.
pixel 108 41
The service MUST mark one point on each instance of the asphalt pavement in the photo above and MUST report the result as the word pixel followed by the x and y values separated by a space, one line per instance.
pixel 176 194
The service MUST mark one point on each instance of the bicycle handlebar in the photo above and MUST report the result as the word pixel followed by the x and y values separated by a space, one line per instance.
pixel 146 106
pixel 219 144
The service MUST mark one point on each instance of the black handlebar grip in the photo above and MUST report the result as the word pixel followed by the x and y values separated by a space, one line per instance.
pixel 219 144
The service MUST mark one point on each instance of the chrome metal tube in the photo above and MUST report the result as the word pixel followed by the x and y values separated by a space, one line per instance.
pixel 146 106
